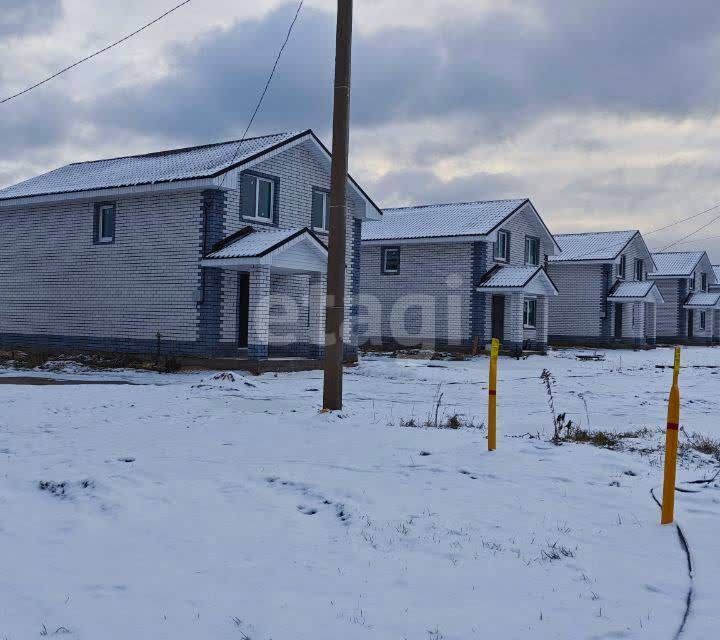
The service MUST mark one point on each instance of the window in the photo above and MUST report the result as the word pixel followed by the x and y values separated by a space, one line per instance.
pixel 704 282
pixel 532 251
pixel 692 283
pixel 639 269
pixel 529 313
pixel 621 267
pixel 320 210
pixel 502 246
pixel 259 195
pixel 264 199
pixel 391 260
pixel 702 320
pixel 105 223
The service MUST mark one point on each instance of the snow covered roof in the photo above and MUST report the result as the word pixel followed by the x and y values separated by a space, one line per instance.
pixel 175 165
pixel 442 220
pixel 527 278
pixel 716 271
pixel 703 300
pixel 635 291
pixel 678 263
pixel 164 166
pixel 600 245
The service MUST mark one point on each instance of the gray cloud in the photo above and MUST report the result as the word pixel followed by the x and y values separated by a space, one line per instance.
pixel 19 17
pixel 419 186
pixel 498 71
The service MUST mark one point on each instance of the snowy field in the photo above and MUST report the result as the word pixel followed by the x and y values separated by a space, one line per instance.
pixel 188 507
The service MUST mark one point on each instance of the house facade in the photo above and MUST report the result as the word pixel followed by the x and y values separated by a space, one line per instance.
pixel 604 296
pixel 453 276
pixel 686 280
pixel 218 250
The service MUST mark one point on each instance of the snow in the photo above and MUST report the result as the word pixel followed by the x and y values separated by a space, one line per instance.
pixel 509 277
pixel 676 263
pixel 637 290
pixel 256 243
pixel 702 300
pixel 441 220
pixel 602 245
pixel 165 166
pixel 198 506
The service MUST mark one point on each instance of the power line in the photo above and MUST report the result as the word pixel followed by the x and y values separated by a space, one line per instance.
pixel 705 226
pixel 668 226
pixel 93 55
pixel 672 224
pixel 267 86
pixel 700 239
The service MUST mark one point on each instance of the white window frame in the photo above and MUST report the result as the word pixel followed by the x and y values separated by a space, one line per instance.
pixel 703 321
pixel 506 256
pixel 102 238
pixel 526 313
pixel 385 270
pixel 693 282
pixel 529 240
pixel 258 180
pixel 326 212
pixel 704 282
pixel 622 267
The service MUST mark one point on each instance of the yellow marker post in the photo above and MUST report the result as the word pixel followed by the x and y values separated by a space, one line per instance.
pixel 671 446
pixel 492 395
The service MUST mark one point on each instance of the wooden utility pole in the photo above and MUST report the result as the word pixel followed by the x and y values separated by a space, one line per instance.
pixel 335 302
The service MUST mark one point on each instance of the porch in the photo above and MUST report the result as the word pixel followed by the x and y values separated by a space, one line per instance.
pixel 273 286
pixel 517 302
pixel 632 312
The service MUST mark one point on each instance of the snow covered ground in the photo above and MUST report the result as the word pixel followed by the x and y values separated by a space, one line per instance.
pixel 193 507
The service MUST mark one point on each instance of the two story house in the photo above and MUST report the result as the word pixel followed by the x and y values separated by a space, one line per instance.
pixel 453 276
pixel 604 296
pixel 684 279
pixel 215 250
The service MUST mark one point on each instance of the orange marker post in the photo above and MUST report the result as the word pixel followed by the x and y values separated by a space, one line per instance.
pixel 492 395
pixel 671 446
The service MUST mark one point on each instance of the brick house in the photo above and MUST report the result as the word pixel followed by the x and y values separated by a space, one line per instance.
pixel 219 250
pixel 685 279
pixel 448 276
pixel 604 296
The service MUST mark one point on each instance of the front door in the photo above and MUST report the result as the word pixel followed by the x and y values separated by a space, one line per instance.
pixel 243 309
pixel 498 317
pixel 618 320
pixel 691 323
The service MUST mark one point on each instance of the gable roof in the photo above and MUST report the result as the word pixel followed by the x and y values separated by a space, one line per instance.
pixel 502 277
pixel 448 220
pixel 703 300
pixel 676 263
pixel 254 243
pixel 598 245
pixel 635 290
pixel 204 161
pixel 174 165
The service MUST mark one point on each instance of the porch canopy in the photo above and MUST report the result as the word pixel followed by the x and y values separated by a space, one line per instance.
pixel 528 279
pixel 635 291
pixel 295 250
pixel 702 301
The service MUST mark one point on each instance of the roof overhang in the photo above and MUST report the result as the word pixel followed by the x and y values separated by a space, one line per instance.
pixel 298 252
pixel 528 282
pixel 703 301
pixel 213 181
pixel 652 296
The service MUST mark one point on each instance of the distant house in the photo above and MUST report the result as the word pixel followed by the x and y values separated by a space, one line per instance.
pixel 452 276
pixel 685 279
pixel 604 297
pixel 217 250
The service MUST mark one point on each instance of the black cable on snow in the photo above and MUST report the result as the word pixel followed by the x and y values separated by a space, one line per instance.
pixel 686 548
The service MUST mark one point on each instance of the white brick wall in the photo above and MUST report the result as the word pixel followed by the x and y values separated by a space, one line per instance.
pixel 298 169
pixel 55 281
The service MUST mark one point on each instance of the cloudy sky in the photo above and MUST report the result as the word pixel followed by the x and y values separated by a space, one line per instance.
pixel 605 113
